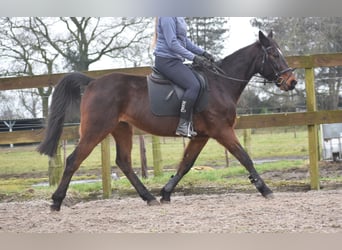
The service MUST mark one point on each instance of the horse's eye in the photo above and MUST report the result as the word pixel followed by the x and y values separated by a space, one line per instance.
pixel 274 53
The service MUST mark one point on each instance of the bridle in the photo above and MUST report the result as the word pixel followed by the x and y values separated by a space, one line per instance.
pixel 277 79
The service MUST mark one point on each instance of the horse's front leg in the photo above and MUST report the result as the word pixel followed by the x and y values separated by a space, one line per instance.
pixel 229 140
pixel 189 157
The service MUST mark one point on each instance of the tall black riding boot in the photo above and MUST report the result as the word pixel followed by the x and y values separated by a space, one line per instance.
pixel 185 127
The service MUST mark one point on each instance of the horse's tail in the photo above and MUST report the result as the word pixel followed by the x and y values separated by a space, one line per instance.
pixel 67 93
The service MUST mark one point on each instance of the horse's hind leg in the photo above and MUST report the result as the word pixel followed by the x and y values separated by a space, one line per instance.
pixel 123 137
pixel 229 140
pixel 189 157
pixel 74 160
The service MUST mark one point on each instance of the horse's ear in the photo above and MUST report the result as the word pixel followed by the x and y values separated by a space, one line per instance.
pixel 263 39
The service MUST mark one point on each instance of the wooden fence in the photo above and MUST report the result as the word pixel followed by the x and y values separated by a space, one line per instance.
pixel 312 118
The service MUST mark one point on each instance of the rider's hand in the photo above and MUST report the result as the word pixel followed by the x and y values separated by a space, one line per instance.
pixel 208 56
pixel 202 61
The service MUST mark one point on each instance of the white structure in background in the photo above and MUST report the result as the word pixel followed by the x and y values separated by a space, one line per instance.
pixel 332 141
pixel 10 125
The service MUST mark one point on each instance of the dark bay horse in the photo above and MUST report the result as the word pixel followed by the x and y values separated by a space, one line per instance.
pixel 113 103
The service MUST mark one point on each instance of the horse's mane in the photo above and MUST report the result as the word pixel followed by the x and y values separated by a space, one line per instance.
pixel 236 55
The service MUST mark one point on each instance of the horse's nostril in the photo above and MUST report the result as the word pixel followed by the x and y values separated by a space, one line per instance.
pixel 293 84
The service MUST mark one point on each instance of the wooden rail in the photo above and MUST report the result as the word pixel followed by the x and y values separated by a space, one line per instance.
pixel 309 61
pixel 289 119
pixel 243 122
pixel 25 82
pixel 314 61
pixel 36 135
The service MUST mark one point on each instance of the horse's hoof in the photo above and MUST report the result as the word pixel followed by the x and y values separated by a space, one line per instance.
pixel 153 203
pixel 55 208
pixel 162 201
pixel 269 196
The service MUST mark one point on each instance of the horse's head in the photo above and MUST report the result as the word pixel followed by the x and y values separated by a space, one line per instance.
pixel 273 66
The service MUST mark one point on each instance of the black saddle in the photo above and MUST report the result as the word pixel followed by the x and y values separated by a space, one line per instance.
pixel 165 96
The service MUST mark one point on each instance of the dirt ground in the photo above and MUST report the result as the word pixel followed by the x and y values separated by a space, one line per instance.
pixel 313 211
pixel 294 209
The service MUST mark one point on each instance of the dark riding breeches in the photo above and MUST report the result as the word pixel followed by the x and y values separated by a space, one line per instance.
pixel 180 74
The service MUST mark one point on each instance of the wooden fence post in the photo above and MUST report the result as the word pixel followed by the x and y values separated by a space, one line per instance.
pixel 144 170
pixel 312 129
pixel 55 167
pixel 106 170
pixel 247 138
pixel 157 158
pixel 227 157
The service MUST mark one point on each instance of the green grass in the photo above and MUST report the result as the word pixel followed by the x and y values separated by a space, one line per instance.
pixel 217 178
pixel 20 160
pixel 21 167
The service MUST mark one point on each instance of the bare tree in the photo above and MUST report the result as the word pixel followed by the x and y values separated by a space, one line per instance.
pixel 86 40
pixel 209 32
pixel 25 55
pixel 36 45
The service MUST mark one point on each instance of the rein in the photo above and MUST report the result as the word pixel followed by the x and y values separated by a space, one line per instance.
pixel 217 70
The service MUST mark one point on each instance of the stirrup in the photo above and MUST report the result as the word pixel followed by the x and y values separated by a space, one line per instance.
pixel 186 130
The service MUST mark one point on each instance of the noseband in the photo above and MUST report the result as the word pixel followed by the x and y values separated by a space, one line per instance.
pixel 277 79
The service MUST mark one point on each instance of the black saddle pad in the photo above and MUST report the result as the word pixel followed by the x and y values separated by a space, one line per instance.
pixel 165 96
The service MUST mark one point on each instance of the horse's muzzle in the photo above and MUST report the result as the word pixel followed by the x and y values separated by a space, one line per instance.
pixel 287 83
pixel 293 84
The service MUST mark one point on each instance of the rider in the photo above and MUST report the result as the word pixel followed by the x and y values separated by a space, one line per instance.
pixel 172 47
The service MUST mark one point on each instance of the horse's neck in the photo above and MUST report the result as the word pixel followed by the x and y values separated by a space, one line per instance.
pixel 240 65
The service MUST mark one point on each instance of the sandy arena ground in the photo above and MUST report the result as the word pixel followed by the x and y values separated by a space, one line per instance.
pixel 313 211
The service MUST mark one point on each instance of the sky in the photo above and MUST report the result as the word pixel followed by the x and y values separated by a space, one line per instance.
pixel 241 34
